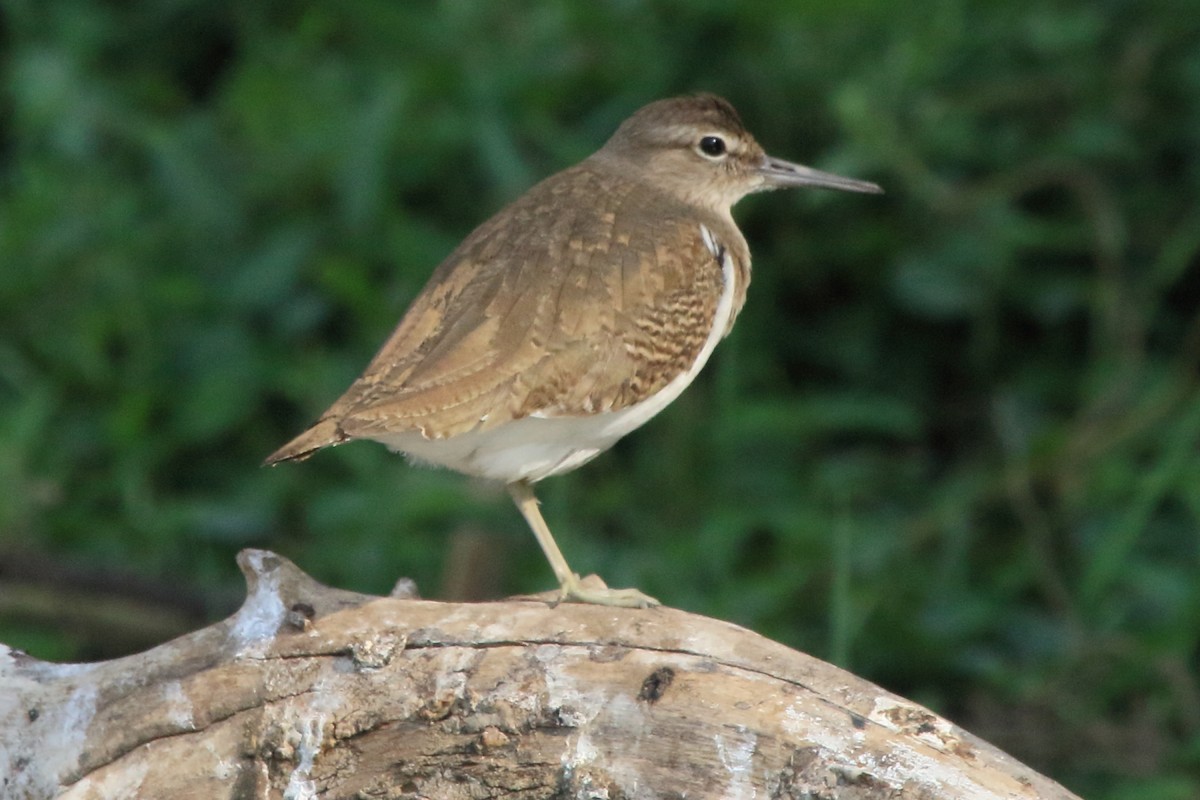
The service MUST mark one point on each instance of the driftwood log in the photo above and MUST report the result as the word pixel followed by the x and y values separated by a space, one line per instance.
pixel 313 692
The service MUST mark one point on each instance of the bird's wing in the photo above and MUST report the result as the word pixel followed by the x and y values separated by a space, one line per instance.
pixel 547 309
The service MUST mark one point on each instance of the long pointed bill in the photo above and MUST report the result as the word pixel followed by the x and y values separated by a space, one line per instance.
pixel 780 174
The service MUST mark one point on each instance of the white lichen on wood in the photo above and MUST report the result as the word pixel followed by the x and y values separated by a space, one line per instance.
pixel 312 692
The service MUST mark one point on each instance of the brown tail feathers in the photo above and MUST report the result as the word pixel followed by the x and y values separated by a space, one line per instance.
pixel 324 433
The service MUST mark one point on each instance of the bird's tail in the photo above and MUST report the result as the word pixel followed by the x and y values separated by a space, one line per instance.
pixel 324 433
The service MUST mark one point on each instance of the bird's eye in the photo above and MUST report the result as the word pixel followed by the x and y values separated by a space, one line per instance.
pixel 712 146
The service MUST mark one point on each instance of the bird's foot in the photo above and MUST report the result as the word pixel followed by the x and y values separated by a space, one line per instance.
pixel 574 591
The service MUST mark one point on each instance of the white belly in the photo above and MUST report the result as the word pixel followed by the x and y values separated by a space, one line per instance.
pixel 537 447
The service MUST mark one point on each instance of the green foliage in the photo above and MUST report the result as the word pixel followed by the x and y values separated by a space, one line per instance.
pixel 954 444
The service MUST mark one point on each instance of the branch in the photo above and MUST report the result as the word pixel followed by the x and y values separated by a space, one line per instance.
pixel 309 691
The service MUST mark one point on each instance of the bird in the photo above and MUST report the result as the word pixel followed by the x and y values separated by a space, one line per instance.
pixel 574 315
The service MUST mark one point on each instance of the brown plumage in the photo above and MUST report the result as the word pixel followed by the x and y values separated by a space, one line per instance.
pixel 574 314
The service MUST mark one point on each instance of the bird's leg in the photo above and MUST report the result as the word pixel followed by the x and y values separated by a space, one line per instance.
pixel 573 591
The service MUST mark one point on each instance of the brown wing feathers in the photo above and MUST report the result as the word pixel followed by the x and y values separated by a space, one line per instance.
pixel 475 347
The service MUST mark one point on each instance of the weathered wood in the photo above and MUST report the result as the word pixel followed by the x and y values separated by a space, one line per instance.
pixel 314 692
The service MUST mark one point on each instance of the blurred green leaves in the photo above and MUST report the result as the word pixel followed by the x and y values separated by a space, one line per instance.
pixel 953 444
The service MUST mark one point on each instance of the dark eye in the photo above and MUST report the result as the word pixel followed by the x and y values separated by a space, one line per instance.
pixel 712 146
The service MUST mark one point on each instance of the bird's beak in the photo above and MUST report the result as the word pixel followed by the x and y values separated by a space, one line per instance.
pixel 780 174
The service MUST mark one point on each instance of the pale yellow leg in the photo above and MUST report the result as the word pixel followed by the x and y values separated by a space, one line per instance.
pixel 572 590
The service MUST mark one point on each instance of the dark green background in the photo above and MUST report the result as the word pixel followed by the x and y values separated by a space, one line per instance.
pixel 953 445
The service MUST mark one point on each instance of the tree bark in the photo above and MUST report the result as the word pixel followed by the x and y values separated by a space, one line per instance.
pixel 309 691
